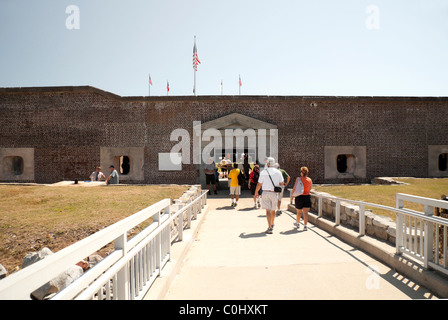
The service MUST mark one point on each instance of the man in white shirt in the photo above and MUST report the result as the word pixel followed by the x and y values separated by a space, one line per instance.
pixel 269 178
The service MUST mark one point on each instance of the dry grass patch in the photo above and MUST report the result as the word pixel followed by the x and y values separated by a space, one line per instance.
pixel 33 217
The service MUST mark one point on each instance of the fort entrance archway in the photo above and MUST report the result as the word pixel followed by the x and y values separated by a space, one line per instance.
pixel 234 135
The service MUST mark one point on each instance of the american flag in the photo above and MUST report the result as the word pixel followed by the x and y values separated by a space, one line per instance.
pixel 240 81
pixel 150 81
pixel 167 86
pixel 195 56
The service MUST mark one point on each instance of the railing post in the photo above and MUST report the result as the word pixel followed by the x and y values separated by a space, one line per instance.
pixel 198 206
pixel 195 209
pixel 180 225
pixel 167 238
pixel 428 237
pixel 399 229
pixel 319 207
pixel 337 214
pixel 122 291
pixel 158 238
pixel 399 204
pixel 362 220
pixel 190 208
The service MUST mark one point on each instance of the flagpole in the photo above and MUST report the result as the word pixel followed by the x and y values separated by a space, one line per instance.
pixel 194 88
pixel 194 65
pixel 239 84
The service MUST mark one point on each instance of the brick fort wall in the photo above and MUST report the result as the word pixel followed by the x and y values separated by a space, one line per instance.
pixel 68 126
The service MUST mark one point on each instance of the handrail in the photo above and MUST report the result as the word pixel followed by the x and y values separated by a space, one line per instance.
pixel 156 237
pixel 417 236
pixel 422 200
pixel 26 280
pixel 423 236
pixel 108 275
pixel 362 205
pixel 441 204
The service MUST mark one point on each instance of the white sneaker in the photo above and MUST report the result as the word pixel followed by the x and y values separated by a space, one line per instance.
pixel 296 225
pixel 255 205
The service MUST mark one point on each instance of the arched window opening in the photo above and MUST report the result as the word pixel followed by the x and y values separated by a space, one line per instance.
pixel 341 163
pixel 345 163
pixel 443 161
pixel 14 165
pixel 125 165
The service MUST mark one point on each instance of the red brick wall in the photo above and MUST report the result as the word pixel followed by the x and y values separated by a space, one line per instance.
pixel 68 125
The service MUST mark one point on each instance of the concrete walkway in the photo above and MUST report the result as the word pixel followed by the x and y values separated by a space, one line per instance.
pixel 231 257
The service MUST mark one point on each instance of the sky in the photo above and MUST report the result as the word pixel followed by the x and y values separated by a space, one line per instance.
pixel 282 47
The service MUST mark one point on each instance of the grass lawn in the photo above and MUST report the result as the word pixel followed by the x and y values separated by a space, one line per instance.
pixel 33 217
pixel 385 194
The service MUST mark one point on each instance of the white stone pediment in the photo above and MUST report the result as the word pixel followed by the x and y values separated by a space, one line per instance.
pixel 237 121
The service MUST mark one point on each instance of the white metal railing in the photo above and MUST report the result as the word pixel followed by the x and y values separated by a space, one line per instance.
pixel 419 235
pixel 423 235
pixel 125 274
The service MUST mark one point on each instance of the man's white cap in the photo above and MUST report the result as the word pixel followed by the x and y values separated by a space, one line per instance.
pixel 276 165
pixel 271 161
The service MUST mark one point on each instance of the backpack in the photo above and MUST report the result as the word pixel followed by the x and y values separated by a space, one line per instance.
pixel 241 179
pixel 299 188
pixel 256 176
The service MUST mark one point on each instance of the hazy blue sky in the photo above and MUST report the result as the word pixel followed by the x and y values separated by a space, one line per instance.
pixel 320 47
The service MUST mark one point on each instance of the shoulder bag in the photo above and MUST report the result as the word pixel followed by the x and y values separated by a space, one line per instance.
pixel 276 189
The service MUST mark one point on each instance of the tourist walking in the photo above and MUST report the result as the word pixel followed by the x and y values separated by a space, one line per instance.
pixel 301 193
pixel 270 181
pixel 235 188
pixel 246 167
pixel 253 181
pixel 210 177
pixel 286 179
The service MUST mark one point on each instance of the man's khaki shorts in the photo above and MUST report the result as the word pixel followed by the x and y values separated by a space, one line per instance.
pixel 269 200
pixel 235 190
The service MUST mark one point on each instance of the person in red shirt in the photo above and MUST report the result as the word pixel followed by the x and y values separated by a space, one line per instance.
pixel 301 193
pixel 253 181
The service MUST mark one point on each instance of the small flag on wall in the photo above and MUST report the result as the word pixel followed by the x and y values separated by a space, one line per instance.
pixel 240 84
pixel 167 87
pixel 150 81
